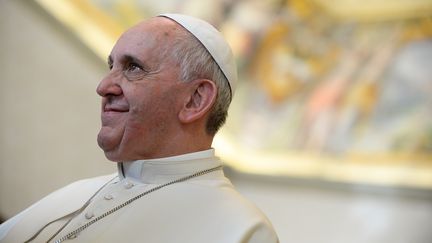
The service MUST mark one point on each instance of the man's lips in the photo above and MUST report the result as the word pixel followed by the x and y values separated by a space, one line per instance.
pixel 115 109
pixel 111 114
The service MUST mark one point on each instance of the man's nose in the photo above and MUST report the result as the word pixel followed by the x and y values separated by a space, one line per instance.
pixel 109 86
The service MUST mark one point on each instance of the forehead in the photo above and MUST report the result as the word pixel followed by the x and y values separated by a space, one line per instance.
pixel 146 38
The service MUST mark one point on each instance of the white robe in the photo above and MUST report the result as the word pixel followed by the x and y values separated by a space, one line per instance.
pixel 203 209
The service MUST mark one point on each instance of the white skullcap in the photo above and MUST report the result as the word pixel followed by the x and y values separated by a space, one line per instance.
pixel 213 41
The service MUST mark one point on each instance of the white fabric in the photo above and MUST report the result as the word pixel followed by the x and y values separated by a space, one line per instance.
pixel 203 209
pixel 213 41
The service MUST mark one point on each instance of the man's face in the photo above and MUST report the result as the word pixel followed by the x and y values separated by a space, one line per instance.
pixel 141 94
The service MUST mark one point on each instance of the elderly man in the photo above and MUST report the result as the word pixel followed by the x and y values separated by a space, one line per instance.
pixel 170 83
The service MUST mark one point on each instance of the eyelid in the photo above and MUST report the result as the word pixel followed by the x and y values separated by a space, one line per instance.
pixel 131 67
pixel 135 64
pixel 134 71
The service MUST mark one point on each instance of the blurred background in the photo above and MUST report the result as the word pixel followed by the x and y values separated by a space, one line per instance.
pixel 330 132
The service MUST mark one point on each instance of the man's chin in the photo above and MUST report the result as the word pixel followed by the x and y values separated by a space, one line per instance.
pixel 109 147
pixel 113 156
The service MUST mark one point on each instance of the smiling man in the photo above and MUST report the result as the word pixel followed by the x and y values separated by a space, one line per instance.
pixel 167 93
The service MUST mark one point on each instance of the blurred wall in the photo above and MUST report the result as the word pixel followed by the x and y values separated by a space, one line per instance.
pixel 49 108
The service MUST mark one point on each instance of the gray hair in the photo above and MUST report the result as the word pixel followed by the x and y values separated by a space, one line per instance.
pixel 196 62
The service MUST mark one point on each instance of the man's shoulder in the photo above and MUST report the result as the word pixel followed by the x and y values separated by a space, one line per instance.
pixel 89 184
pixel 70 197
pixel 74 193
pixel 209 204
pixel 78 190
pixel 219 197
pixel 238 212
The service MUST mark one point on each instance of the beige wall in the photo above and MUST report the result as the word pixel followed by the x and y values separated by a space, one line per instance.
pixel 49 108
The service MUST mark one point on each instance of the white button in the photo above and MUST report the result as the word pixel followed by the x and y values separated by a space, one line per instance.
pixel 89 215
pixel 128 185
pixel 108 197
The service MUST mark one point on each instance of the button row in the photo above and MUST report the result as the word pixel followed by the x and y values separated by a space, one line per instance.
pixel 127 185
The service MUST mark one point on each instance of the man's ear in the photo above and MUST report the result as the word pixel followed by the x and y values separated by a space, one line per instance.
pixel 200 100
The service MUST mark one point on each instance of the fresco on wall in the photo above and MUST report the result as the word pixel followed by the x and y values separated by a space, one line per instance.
pixel 332 90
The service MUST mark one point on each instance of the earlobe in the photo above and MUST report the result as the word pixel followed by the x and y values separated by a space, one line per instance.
pixel 199 102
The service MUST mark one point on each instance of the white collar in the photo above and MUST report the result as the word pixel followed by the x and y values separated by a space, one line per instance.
pixel 156 171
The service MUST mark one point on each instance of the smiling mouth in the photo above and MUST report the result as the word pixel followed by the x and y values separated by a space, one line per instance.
pixel 111 109
pixel 115 110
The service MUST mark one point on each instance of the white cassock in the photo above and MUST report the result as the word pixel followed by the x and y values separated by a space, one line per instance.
pixel 203 209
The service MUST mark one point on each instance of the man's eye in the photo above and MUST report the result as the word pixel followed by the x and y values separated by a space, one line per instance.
pixel 134 71
pixel 133 67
